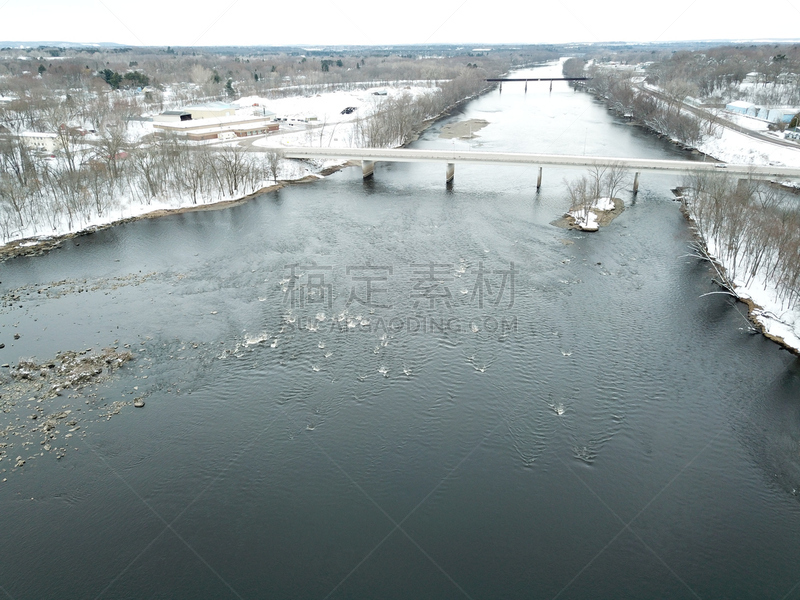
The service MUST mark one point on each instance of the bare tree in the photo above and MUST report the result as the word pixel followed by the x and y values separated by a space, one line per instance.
pixel 274 158
pixel 616 177
pixel 582 195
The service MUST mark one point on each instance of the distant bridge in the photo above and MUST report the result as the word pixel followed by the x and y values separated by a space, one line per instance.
pixel 369 156
pixel 527 79
pixel 540 79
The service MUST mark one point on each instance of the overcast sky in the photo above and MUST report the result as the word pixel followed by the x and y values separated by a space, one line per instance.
pixel 312 22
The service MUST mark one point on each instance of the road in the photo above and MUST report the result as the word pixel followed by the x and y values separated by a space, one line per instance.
pixel 507 158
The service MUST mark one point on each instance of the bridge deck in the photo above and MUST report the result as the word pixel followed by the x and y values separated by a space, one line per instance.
pixel 541 79
pixel 509 158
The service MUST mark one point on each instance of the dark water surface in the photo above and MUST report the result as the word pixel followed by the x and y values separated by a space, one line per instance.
pixel 504 410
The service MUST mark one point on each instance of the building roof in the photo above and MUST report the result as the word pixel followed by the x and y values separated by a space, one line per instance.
pixel 38 134
pixel 741 104
pixel 210 106
pixel 175 112
pixel 235 125
pixel 215 122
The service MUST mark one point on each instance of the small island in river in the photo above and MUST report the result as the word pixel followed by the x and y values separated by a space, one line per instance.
pixel 599 213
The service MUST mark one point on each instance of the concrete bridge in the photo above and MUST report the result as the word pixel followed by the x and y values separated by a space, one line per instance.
pixel 369 156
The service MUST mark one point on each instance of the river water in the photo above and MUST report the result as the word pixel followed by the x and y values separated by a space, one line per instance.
pixel 400 389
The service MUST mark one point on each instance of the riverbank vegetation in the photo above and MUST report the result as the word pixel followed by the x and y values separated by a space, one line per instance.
pixel 396 120
pixel 41 196
pixel 664 114
pixel 752 229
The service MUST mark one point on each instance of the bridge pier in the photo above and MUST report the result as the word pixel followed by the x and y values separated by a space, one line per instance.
pixel 501 87
pixel 367 168
pixel 451 172
pixel 636 183
pixel 526 86
pixel 741 186
pixel 539 180
pixel 551 85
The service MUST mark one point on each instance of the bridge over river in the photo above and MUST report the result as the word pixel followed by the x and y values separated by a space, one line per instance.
pixel 527 79
pixel 369 156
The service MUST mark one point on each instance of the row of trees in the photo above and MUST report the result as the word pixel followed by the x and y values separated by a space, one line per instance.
pixel 254 73
pixel 39 196
pixel 663 113
pixel 39 105
pixel 395 119
pixel 749 226
pixel 719 72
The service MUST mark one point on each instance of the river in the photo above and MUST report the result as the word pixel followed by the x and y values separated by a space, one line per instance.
pixel 395 388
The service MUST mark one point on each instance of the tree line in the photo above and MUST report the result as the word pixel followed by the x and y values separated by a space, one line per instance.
pixel 396 119
pixel 751 228
pixel 663 113
pixel 39 196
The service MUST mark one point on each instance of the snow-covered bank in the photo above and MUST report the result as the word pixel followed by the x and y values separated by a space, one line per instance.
pixel 127 210
pixel 751 250
pixel 779 321
pixel 734 147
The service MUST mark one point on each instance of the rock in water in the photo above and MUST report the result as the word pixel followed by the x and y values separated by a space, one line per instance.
pixel 138 403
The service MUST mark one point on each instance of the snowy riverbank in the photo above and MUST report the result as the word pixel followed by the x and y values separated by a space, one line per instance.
pixel 133 211
pixel 777 320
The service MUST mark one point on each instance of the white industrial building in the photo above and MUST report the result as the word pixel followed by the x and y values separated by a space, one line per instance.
pixel 777 114
pixel 221 127
pixel 773 114
pixel 211 110
pixel 173 116
pixel 743 108
pixel 46 142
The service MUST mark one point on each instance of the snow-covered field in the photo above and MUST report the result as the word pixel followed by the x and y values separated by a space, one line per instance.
pixel 331 127
pixel 745 121
pixel 328 107
pixel 734 147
